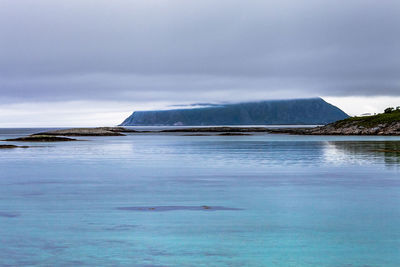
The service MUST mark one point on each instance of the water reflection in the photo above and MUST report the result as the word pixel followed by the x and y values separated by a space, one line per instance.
pixel 142 198
pixel 376 151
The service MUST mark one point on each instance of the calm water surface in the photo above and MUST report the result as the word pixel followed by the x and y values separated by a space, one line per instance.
pixel 169 200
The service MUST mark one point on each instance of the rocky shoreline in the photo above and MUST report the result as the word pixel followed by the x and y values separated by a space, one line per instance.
pixel 352 126
pixel 349 128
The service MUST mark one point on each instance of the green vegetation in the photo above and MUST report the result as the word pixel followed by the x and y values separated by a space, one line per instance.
pixel 391 115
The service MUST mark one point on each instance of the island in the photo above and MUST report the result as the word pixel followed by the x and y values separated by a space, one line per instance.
pixel 60 135
pixel 97 131
pixel 312 111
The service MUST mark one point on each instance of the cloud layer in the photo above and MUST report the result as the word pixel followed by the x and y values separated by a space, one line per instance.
pixel 189 50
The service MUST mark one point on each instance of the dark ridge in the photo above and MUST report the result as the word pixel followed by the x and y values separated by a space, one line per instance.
pixel 41 138
pixel 11 146
pixel 233 134
pixel 98 131
pixel 220 129
pixel 197 135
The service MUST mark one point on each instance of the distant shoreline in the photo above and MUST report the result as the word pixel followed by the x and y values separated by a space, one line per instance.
pixel 385 124
pixel 346 128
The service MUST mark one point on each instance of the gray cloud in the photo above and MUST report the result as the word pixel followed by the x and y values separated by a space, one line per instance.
pixel 197 50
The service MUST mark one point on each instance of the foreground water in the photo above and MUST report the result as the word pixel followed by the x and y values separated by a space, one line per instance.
pixel 168 200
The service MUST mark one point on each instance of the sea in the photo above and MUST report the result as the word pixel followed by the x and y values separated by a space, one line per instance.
pixel 182 200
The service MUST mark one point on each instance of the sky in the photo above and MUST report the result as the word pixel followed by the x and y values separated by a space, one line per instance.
pixel 93 62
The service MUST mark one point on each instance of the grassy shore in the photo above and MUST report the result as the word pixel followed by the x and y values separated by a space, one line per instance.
pixel 371 121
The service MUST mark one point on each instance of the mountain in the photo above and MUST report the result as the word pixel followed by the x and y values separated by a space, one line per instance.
pixel 271 112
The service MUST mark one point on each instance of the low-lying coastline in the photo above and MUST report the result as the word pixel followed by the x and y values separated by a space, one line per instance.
pixel 387 124
pixel 217 129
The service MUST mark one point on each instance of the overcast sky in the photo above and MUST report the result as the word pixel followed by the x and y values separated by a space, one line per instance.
pixel 81 62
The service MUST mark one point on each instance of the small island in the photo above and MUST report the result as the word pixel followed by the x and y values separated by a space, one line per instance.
pixel 98 131
pixel 40 138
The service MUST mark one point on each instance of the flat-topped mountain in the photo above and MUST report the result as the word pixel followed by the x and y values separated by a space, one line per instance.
pixel 271 112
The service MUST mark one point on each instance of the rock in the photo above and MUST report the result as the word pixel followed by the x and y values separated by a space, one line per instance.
pixel 41 138
pixel 352 128
pixel 99 131
pixel 233 134
pixel 11 146
pixel 197 135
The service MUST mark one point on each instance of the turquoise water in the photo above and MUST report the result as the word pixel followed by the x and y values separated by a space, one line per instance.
pixel 271 200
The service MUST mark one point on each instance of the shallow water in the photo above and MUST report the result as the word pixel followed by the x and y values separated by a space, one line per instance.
pixel 170 200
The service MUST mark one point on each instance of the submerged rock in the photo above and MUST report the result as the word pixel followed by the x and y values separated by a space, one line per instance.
pixel 8 214
pixel 175 208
